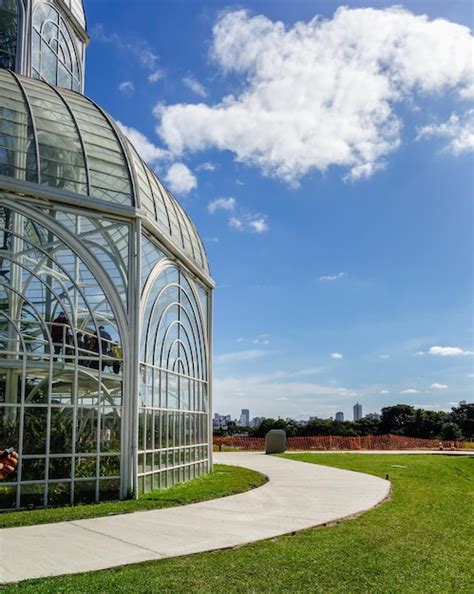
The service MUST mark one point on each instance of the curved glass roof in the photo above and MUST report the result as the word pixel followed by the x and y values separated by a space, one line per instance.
pixel 61 139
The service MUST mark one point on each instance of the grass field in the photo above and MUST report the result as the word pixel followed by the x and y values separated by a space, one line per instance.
pixel 223 481
pixel 421 540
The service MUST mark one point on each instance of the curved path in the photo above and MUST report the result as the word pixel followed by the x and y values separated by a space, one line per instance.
pixel 298 495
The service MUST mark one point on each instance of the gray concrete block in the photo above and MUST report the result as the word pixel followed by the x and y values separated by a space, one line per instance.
pixel 275 441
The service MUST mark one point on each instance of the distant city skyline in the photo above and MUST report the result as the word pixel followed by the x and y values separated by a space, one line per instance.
pixel 244 419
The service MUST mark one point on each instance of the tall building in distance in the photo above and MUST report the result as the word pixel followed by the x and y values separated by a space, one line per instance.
pixel 357 411
pixel 245 417
pixel 339 416
pixel 221 421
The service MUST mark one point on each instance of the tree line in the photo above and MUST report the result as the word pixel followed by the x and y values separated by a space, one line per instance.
pixel 401 419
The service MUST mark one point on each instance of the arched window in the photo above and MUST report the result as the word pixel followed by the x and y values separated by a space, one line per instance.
pixel 54 55
pixel 62 353
pixel 173 401
pixel 8 33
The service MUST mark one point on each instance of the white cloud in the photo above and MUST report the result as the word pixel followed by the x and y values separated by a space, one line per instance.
pixel 180 179
pixel 252 223
pixel 428 406
pixel 410 391
pixel 321 93
pixel 448 351
pixel 221 204
pixel 263 339
pixel 145 148
pixel 127 87
pixel 135 47
pixel 237 356
pixel 156 75
pixel 383 356
pixel 437 386
pixel 236 224
pixel 305 372
pixel 194 85
pixel 206 167
pixel 240 221
pixel 333 277
pixel 147 57
pixel 336 356
pixel 459 131
pixel 265 388
pixel 258 225
pixel 384 392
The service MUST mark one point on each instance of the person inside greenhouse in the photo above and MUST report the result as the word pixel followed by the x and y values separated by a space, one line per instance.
pixel 117 352
pixel 86 347
pixel 105 344
pixel 106 340
pixel 94 347
pixel 60 332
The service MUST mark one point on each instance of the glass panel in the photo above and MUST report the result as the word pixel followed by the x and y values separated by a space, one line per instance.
pixel 9 426
pixel 19 160
pixel 35 427
pixel 32 495
pixel 84 491
pixel 62 159
pixel 59 494
pixel 59 468
pixel 7 497
pixel 109 490
pixel 149 430
pixel 61 431
pixel 110 466
pixel 8 33
pixel 86 430
pixel 56 57
pixel 86 467
pixel 32 469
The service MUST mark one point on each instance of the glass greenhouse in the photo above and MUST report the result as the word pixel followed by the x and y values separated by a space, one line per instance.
pixel 105 291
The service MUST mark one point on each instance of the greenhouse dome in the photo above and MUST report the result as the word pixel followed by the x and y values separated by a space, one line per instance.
pixel 105 291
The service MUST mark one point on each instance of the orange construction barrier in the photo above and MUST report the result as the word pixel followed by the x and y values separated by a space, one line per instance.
pixel 340 442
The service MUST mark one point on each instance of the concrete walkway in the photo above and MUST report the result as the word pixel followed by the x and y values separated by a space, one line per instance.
pixel 298 495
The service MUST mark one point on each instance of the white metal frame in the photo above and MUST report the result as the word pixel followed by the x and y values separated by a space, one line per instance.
pixel 128 323
pixel 124 193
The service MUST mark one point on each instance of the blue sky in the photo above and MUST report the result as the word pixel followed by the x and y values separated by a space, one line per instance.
pixel 328 166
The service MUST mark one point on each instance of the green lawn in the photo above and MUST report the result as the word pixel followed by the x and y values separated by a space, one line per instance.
pixel 223 481
pixel 421 540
